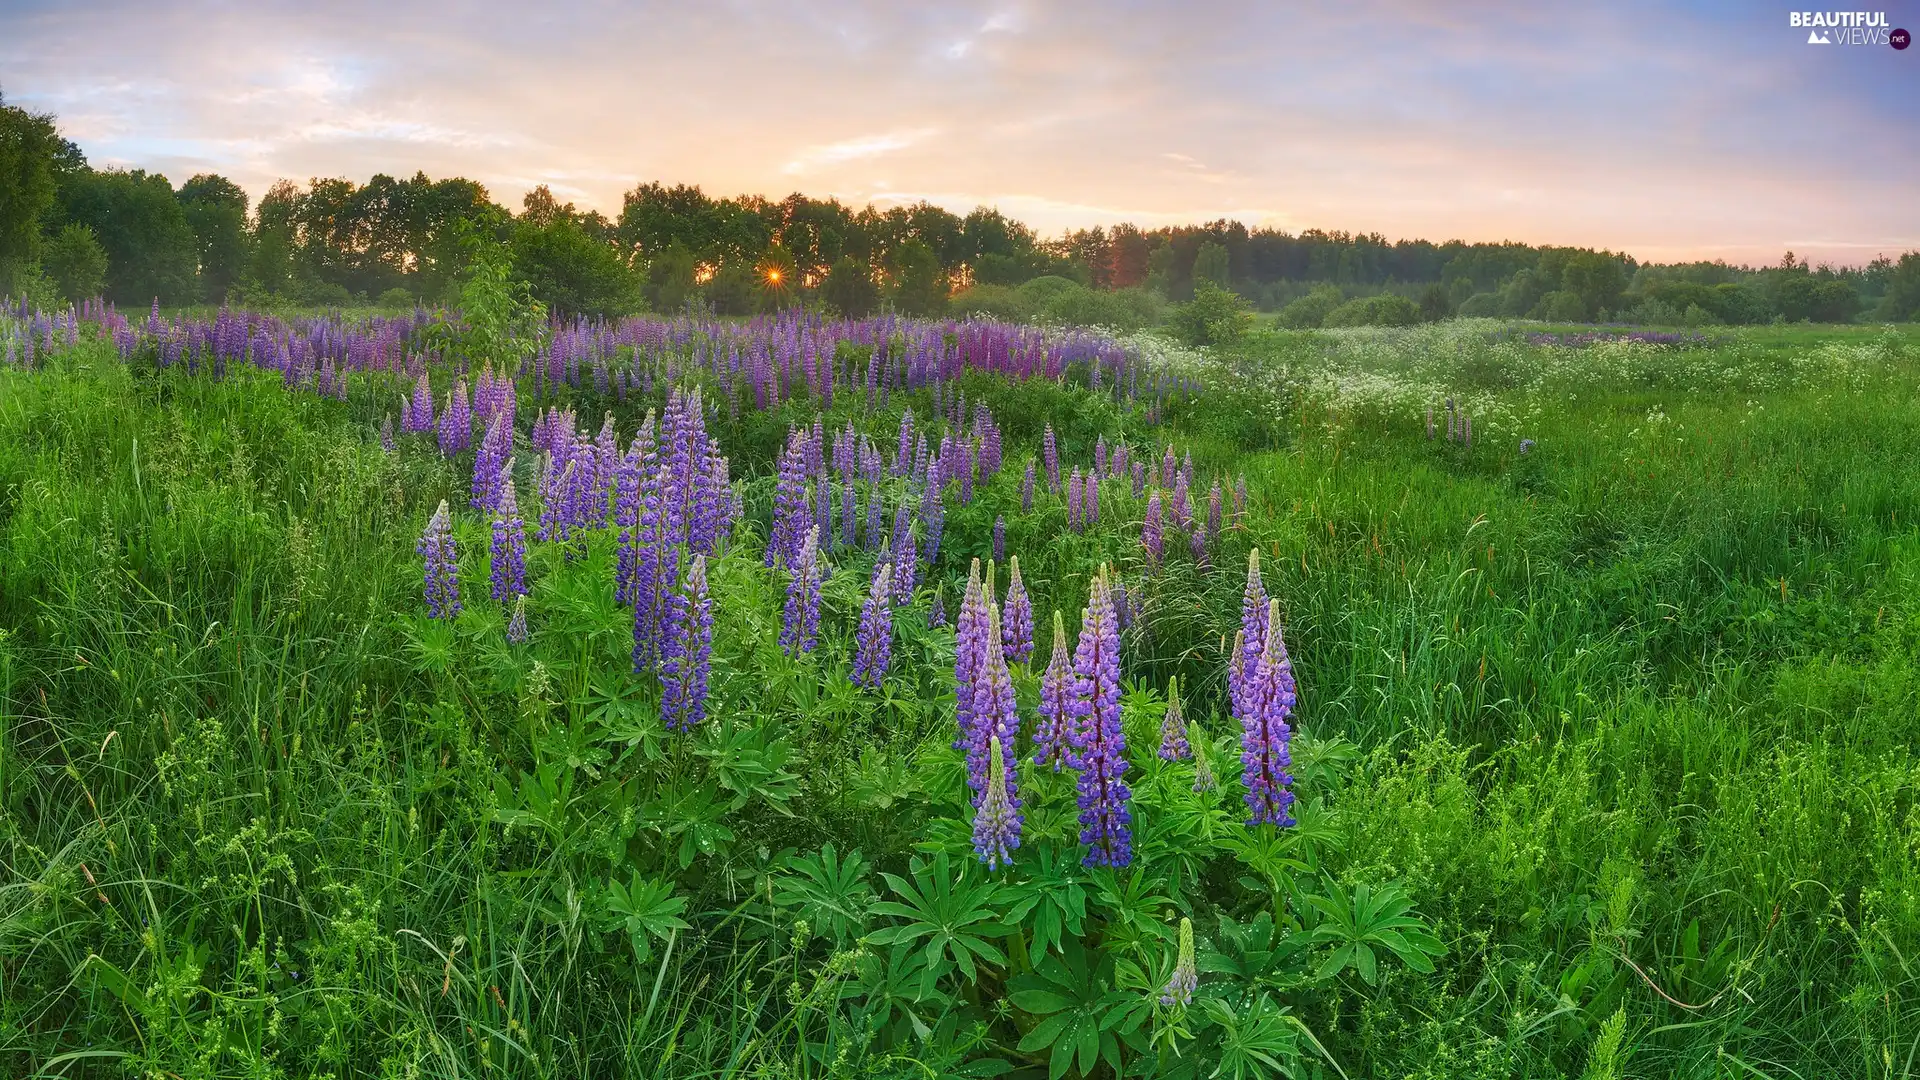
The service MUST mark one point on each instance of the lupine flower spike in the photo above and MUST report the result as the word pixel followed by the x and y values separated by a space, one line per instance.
pixel 996 824
pixel 517 623
pixel 875 648
pixel 1186 973
pixel 1051 739
pixel 688 651
pixel 441 564
pixel 1173 728
pixel 1099 741
pixel 509 551
pixel 1203 778
pixel 1016 626
pixel 1264 736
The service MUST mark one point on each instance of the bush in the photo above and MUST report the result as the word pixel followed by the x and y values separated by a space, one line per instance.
pixel 1386 309
pixel 1311 310
pixel 1125 309
pixel 395 299
pixel 849 288
pixel 1561 305
pixel 1214 317
pixel 1480 305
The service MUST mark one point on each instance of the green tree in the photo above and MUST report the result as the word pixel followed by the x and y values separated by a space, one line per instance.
pixel 1435 303
pixel 1212 263
pixel 918 288
pixel 1385 309
pixel 216 210
pixel 569 271
pixel 670 278
pixel 76 263
pixel 1902 300
pixel 1311 310
pixel 28 146
pixel 151 249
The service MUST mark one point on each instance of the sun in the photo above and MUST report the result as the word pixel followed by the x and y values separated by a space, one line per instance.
pixel 773 275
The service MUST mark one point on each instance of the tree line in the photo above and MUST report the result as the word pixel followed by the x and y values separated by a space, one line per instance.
pixel 73 231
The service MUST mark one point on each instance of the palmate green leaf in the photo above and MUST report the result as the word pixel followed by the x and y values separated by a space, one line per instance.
pixel 646 909
pixel 1051 904
pixel 951 916
pixel 1259 1041
pixel 1084 1016
pixel 1357 922
pixel 830 892
pixel 750 762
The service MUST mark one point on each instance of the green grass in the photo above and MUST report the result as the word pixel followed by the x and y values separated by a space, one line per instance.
pixel 1634 719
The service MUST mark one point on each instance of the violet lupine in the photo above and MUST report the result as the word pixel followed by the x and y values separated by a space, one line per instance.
pixel 1026 490
pixel 441 564
pixel 1016 625
pixel 1169 465
pixel 456 424
pixel 800 622
pixel 1264 738
pixel 627 482
pixel 1252 638
pixel 849 513
pixel 937 610
pixel 1214 510
pixel 789 503
pixel 903 457
pixel 1173 727
pixel 1073 501
pixel 509 550
pixel 996 824
pixel 1182 502
pixel 999 537
pixel 874 652
pixel 490 466
pixel 906 565
pixel 1139 478
pixel 1197 543
pixel 386 434
pixel 1185 979
pixel 996 721
pixel 1052 451
pixel 1152 534
pixel 1053 736
pixel 1099 741
pixel 417 417
pixel 1100 456
pixel 1239 499
pixel 687 651
pixel 933 514
pixel 969 653
pixel 517 622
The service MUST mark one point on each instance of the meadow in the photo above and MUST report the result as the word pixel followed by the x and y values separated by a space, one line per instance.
pixel 1472 699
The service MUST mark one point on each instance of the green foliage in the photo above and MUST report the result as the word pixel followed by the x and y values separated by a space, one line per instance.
pixel 570 272
pixel 75 262
pixel 1211 264
pixel 28 148
pixel 1384 309
pixel 917 287
pixel 151 248
pixel 1311 311
pixel 849 289
pixel 216 210
pixel 1214 317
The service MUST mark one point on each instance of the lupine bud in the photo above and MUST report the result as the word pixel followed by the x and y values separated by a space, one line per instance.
pixel 1173 727
pixel 1203 778
pixel 688 652
pixel 996 824
pixel 517 623
pixel 1052 452
pixel 1186 973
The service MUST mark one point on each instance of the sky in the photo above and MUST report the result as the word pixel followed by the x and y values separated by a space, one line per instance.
pixel 1707 130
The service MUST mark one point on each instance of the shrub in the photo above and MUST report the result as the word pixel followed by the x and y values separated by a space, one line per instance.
pixel 1311 310
pixel 1386 309
pixel 1214 317
pixel 1561 305
pixel 75 262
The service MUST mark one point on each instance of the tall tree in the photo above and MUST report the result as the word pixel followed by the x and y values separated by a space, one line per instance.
pixel 216 209
pixel 151 251
pixel 28 145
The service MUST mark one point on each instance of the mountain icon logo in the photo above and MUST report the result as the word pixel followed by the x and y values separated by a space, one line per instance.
pixel 1815 37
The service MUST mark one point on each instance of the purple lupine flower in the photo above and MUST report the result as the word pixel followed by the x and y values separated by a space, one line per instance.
pixel 1251 640
pixel 1173 727
pixel 800 622
pixel 874 653
pixel 490 466
pixel 1052 451
pixel 517 622
pixel 1264 755
pixel 1185 979
pixel 1139 477
pixel 1099 741
pixel 1122 605
pixel 996 721
pixel 937 610
pixel 1151 533
pixel 456 423
pixel 1169 465
pixel 418 415
pixel 1186 468
pixel 1182 502
pixel 789 504
pixel 849 512
pixel 1526 445
pixel 509 550
pixel 996 824
pixel 1197 543
pixel 1026 490
pixel 1016 625
pixel 906 564
pixel 1118 462
pixel 628 480
pixel 969 653
pixel 436 549
pixel 1239 499
pixel 386 434
pixel 933 514
pixel 688 651
pixel 1052 738
pixel 1100 456
pixel 999 537
pixel 1213 510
